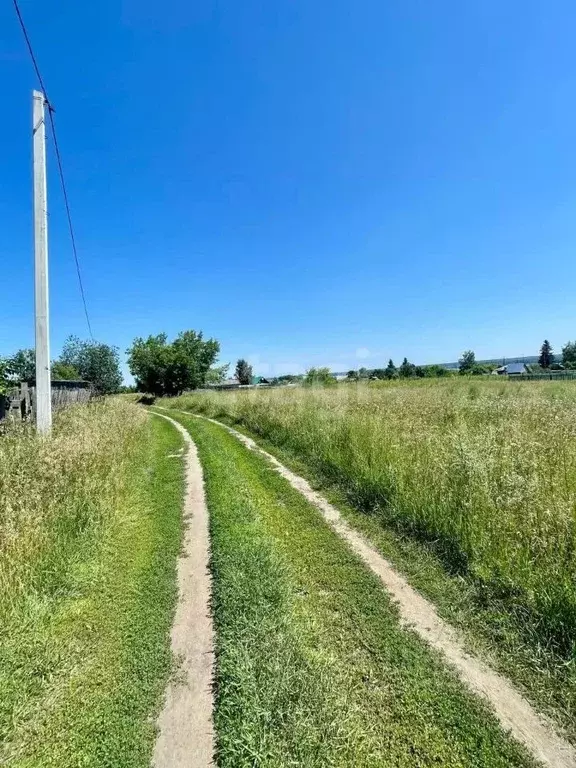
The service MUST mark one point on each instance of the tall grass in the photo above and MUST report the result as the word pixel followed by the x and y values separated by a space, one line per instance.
pixel 59 498
pixel 312 668
pixel 485 469
pixel 54 493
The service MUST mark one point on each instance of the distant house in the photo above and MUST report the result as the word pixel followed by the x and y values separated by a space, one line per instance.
pixel 511 369
pixel 260 381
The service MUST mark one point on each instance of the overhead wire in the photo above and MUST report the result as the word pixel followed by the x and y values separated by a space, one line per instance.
pixel 58 162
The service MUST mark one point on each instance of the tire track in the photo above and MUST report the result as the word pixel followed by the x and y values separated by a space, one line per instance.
pixel 185 725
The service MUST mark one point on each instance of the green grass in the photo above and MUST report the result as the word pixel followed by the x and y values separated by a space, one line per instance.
pixel 313 668
pixel 486 470
pixel 487 627
pixel 85 646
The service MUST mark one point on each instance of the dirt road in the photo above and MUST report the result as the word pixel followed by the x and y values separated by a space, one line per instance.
pixel 186 733
pixel 185 722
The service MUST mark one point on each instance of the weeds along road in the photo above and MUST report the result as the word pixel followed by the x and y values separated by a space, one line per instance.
pixel 315 665
pixel 90 532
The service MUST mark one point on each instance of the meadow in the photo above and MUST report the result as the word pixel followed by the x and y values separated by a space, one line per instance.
pixel 313 668
pixel 482 470
pixel 90 530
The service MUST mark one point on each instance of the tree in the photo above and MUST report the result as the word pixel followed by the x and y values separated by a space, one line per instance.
pixel 569 355
pixel 352 375
pixel 22 365
pixel 378 373
pixel 390 370
pixel 150 362
pixel 95 362
pixel 63 371
pixel 4 383
pixel 217 374
pixel 192 359
pixel 436 370
pixel 163 368
pixel 467 362
pixel 407 369
pixel 546 356
pixel 319 377
pixel 243 372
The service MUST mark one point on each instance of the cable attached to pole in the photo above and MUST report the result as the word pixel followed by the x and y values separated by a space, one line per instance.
pixel 59 163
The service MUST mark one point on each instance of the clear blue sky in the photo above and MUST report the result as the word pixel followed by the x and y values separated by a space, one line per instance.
pixel 309 182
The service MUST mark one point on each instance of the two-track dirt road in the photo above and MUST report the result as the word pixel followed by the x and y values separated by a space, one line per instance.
pixel 186 736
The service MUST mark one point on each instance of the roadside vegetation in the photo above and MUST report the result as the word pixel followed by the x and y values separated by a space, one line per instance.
pixel 90 529
pixel 313 668
pixel 481 473
pixel 89 361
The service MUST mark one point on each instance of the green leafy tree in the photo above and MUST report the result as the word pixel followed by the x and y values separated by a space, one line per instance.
pixel 94 362
pixel 163 368
pixel 378 373
pixel 546 355
pixel 193 358
pixel 390 370
pixel 352 375
pixel 149 361
pixel 217 374
pixel 363 373
pixel 467 362
pixel 62 371
pixel 569 355
pixel 319 377
pixel 406 370
pixel 436 370
pixel 4 377
pixel 22 365
pixel 243 372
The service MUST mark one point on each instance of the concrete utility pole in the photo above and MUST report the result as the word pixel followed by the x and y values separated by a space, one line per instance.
pixel 43 386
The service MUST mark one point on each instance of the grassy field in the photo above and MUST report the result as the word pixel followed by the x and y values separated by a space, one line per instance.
pixel 313 668
pixel 90 530
pixel 483 470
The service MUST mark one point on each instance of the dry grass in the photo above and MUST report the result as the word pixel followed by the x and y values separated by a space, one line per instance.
pixel 485 469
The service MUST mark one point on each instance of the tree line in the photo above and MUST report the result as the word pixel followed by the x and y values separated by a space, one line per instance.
pixel 547 359
pixel 162 367
pixel 406 370
pixel 467 366
pixel 159 366
pixel 79 360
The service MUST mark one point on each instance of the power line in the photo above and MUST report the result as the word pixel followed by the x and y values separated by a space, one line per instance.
pixel 68 215
pixel 59 163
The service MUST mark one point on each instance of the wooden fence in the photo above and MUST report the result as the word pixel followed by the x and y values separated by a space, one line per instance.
pixel 19 403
